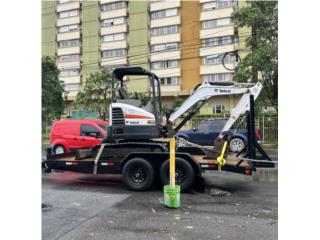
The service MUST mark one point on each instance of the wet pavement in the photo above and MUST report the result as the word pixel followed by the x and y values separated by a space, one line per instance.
pixel 233 206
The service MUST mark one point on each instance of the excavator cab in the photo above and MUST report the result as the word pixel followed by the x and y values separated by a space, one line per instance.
pixel 129 116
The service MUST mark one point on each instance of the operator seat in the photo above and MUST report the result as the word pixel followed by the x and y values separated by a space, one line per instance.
pixel 125 98
pixel 148 107
pixel 123 93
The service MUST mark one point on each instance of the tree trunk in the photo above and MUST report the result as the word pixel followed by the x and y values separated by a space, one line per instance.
pixel 253 49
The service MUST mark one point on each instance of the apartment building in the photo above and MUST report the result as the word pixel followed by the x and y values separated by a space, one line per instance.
pixel 183 42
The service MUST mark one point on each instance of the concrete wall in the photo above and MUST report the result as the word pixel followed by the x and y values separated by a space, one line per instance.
pixel 138 42
pixel 90 37
pixel 190 72
pixel 48 28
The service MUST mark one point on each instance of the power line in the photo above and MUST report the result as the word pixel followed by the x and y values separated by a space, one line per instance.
pixel 149 53
pixel 138 56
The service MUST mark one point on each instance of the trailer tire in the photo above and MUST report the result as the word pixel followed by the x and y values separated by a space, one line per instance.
pixel 184 174
pixel 138 174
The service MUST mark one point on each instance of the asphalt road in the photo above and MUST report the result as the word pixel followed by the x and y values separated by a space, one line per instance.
pixel 82 207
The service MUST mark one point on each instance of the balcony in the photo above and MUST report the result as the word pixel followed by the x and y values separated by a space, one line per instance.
pixel 68 21
pixel 68 35
pixel 174 37
pixel 165 55
pixel 114 45
pixel 216 68
pixel 114 29
pixel 216 13
pixel 70 80
pixel 71 96
pixel 167 72
pixel 166 21
pixel 217 32
pixel 68 6
pixel 205 51
pixel 114 13
pixel 164 5
pixel 204 1
pixel 68 50
pixel 114 61
pixel 68 65
pixel 170 90
pixel 108 1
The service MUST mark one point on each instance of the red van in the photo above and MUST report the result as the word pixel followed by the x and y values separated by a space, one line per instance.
pixel 67 135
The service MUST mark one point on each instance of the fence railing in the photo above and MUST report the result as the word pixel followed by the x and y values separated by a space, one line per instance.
pixel 267 125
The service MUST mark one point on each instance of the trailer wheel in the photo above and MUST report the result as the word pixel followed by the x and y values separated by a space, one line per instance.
pixel 138 174
pixel 184 174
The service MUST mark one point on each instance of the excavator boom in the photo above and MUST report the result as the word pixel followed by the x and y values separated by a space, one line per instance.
pixel 207 91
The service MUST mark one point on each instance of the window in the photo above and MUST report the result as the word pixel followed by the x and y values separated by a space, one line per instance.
pixel 164 13
pixel 163 47
pixel 209 6
pixel 63 1
pixel 114 37
pixel 169 81
pixel 103 126
pixel 69 73
pixel 71 87
pixel 113 21
pixel 220 4
pixel 69 43
pixel 114 53
pixel 218 125
pixel 203 127
pixel 65 14
pixel 223 3
pixel 218 108
pixel 68 28
pixel 214 59
pixel 113 6
pixel 164 30
pixel 69 58
pixel 216 23
pixel 88 130
pixel 164 64
pixel 218 41
pixel 220 77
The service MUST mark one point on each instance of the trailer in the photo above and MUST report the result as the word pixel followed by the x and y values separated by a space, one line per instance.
pixel 137 145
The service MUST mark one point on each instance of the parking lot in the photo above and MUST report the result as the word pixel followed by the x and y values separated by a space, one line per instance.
pixel 78 206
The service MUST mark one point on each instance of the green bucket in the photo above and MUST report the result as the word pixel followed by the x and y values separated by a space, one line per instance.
pixel 171 196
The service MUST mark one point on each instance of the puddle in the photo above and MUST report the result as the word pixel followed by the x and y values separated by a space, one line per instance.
pixel 46 206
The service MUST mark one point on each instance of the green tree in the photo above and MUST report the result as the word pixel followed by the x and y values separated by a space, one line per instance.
pixel 95 95
pixel 261 63
pixel 52 92
pixel 169 108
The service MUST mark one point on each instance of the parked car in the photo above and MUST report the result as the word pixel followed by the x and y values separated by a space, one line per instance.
pixel 207 131
pixel 68 135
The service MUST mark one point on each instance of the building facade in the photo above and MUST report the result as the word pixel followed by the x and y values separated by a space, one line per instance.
pixel 183 42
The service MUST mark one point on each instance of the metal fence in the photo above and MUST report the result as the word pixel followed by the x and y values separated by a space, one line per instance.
pixel 267 125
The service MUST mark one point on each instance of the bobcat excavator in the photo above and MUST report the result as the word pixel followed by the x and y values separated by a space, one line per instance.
pixel 136 145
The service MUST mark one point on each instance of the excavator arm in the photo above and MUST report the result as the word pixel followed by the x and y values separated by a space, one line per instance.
pixel 207 91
